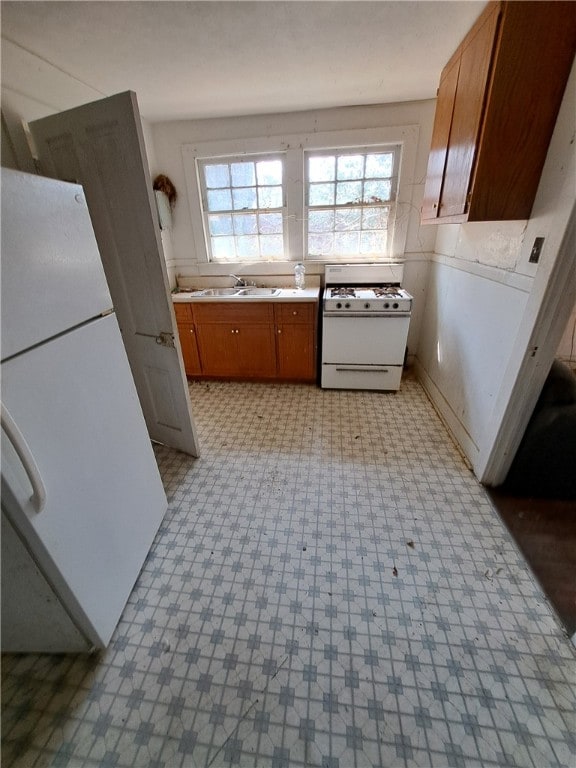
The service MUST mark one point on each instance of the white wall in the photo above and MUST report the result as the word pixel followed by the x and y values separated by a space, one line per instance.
pixel 171 137
pixel 483 297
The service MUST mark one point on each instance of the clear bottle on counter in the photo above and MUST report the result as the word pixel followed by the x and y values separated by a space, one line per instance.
pixel 299 275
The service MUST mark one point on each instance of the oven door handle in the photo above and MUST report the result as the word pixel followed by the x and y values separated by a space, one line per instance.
pixel 357 368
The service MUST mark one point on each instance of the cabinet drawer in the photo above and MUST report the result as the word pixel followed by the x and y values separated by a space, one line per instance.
pixel 233 312
pixel 183 312
pixel 295 312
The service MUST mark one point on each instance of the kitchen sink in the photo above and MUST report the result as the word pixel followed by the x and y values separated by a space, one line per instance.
pixel 259 291
pixel 238 292
pixel 219 292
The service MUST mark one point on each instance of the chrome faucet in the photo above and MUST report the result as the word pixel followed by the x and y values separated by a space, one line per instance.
pixel 240 282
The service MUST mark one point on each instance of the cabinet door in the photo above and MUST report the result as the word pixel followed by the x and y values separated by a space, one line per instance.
pixel 256 352
pixel 187 333
pixel 440 139
pixel 218 348
pixel 296 351
pixel 467 117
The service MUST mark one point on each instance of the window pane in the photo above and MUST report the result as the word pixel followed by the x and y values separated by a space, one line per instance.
pixel 271 246
pixel 321 221
pixel 270 197
pixel 375 218
pixel 247 246
pixel 348 192
pixel 379 165
pixel 372 242
pixel 219 200
pixel 245 225
pixel 351 167
pixel 320 245
pixel 347 243
pixel 244 198
pixel 217 176
pixel 220 225
pixel 243 175
pixel 321 168
pixel 223 248
pixel 270 223
pixel 269 172
pixel 347 219
pixel 377 191
pixel 321 194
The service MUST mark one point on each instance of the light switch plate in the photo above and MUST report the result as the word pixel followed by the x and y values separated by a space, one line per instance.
pixel 536 250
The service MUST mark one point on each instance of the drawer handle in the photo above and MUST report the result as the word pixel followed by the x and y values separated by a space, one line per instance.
pixel 363 370
pixel 294 313
pixel 279 330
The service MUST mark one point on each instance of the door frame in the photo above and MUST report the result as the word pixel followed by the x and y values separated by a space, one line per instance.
pixel 549 307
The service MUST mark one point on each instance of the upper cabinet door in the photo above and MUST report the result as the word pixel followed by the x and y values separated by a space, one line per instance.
pixel 469 100
pixel 440 139
pixel 497 106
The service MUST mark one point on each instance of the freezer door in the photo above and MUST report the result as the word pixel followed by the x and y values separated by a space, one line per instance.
pixel 52 274
pixel 75 404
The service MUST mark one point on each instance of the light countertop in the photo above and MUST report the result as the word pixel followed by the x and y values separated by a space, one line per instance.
pixel 286 294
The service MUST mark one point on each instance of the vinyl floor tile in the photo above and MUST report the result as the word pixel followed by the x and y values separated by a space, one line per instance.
pixel 330 587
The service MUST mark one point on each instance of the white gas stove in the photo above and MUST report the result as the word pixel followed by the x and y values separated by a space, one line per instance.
pixel 384 299
pixel 366 316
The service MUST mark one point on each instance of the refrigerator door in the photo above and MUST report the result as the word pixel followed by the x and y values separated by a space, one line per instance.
pixel 74 402
pixel 52 277
pixel 32 615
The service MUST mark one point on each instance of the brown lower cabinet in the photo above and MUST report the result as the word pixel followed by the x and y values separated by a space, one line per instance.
pixel 188 341
pixel 256 340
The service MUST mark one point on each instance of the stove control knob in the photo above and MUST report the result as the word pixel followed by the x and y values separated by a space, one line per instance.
pixel 367 305
pixel 395 305
pixel 386 305
pixel 347 305
pixel 338 305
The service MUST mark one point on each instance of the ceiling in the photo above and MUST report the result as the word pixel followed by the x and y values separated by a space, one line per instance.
pixel 190 60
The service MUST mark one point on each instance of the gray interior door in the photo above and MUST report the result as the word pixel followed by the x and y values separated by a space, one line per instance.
pixel 101 146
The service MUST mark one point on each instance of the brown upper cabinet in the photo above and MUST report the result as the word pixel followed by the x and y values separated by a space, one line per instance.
pixel 497 105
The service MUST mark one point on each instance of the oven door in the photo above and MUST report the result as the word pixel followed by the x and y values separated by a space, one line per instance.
pixel 363 352
pixel 365 340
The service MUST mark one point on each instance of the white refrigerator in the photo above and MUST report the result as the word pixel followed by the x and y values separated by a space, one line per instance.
pixel 82 498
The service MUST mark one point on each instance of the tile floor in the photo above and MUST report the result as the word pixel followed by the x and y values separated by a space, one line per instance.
pixel 330 587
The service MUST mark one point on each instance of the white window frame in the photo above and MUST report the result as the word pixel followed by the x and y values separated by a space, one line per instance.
pixel 202 163
pixel 396 151
pixel 293 147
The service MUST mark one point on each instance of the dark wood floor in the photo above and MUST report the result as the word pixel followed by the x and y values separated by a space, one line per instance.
pixel 545 531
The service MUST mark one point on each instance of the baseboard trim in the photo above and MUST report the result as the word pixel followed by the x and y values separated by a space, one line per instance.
pixel 460 437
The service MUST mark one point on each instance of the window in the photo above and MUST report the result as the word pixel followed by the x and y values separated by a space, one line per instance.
pixel 243 208
pixel 350 202
pixel 326 196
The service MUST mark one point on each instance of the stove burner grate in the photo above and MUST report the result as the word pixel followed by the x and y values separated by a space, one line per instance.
pixel 344 292
pixel 387 292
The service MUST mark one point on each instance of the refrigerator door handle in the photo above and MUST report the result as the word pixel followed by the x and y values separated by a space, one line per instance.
pixel 20 445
